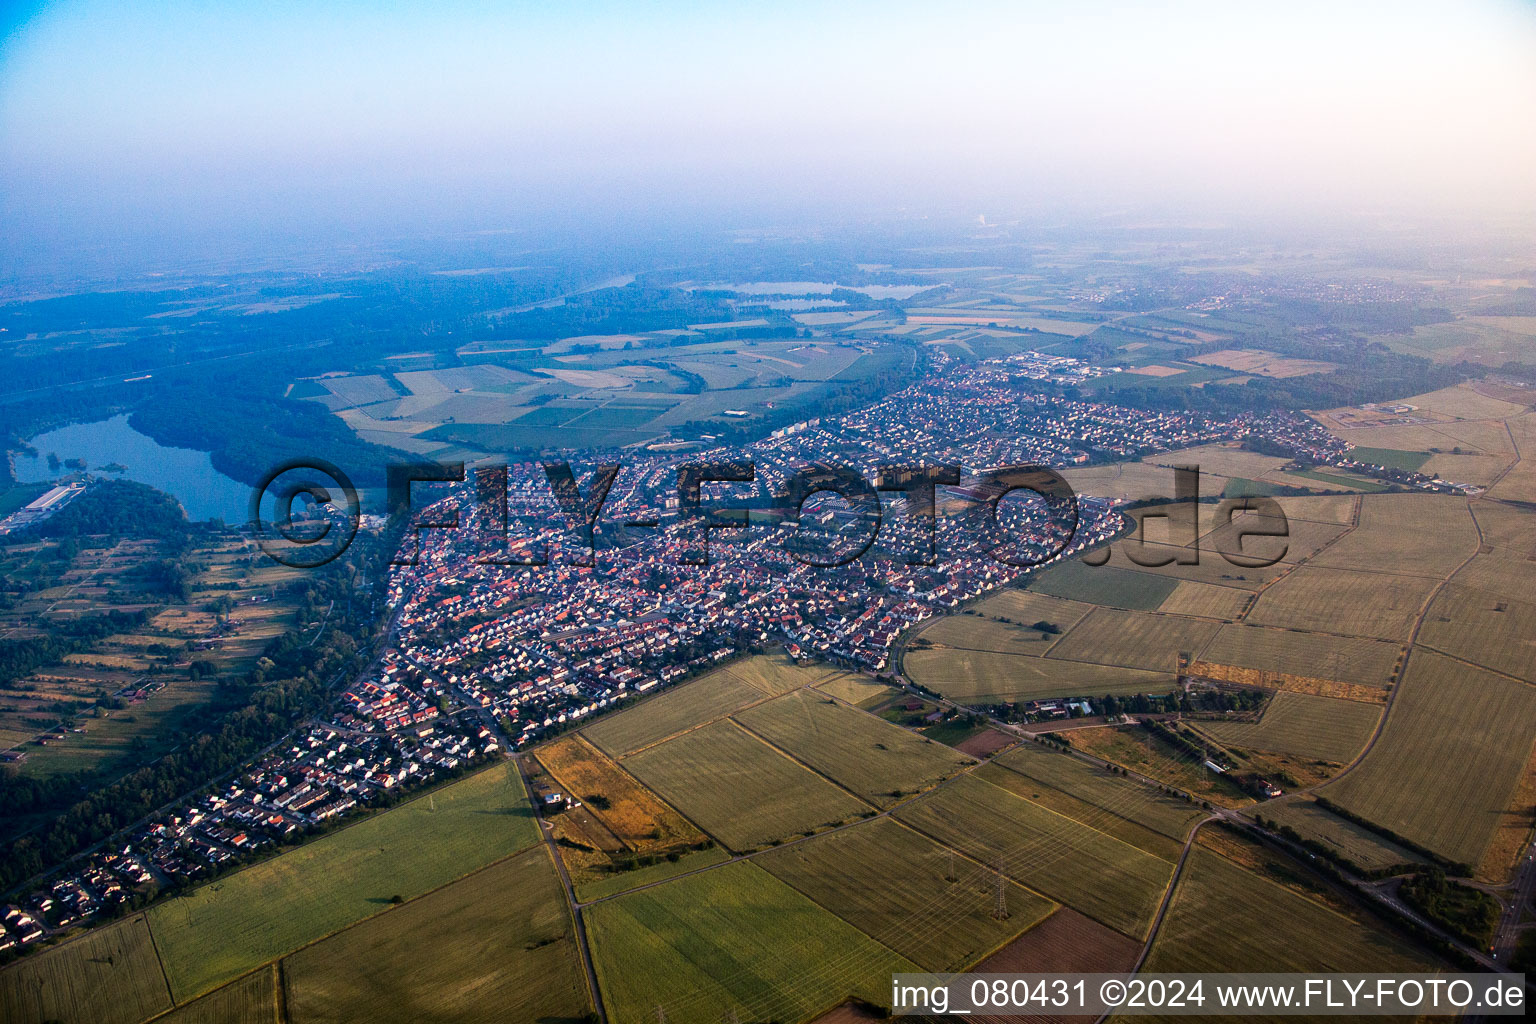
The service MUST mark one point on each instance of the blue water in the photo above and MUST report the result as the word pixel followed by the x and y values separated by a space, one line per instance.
pixel 186 475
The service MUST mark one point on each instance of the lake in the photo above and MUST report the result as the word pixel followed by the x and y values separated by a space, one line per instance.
pixel 186 475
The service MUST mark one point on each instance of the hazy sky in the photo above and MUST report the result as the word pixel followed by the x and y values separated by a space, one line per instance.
pixel 265 120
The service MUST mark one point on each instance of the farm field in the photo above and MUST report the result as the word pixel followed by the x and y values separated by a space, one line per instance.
pixel 229 926
pixel 634 815
pixel 624 881
pixel 985 630
pixel 1116 794
pixel 1224 918
pixel 1406 534
pixel 107 976
pixel 1130 639
pixel 1324 728
pixel 1066 943
pixel 1103 585
pixel 878 761
pixel 1501 566
pixel 1135 748
pixel 1205 600
pixel 1358 844
pixel 734 939
pixel 1098 818
pixel 1486 629
pixel 860 691
pixel 1359 660
pixel 1368 604
pixel 497 945
pixel 975 677
pixel 895 886
pixel 248 1000
pixel 1449 760
pixel 1086 869
pixel 1263 364
pixel 701 700
pixel 738 788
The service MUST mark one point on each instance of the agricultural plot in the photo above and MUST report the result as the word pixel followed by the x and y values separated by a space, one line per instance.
pixel 738 788
pixel 1368 604
pixel 630 811
pixel 858 690
pixel 109 975
pixel 1131 481
pixel 1097 818
pixel 1064 943
pixel 1486 629
pixel 1221 461
pixel 1116 794
pixel 1450 759
pixel 248 1000
pixel 878 761
pixel 1324 728
pixel 1139 750
pixel 1223 918
pixel 1130 639
pixel 700 701
pixel 623 881
pixel 924 901
pixel 1406 534
pixel 1519 484
pixel 229 926
pixel 1103 585
pixel 1005 623
pixel 733 940
pixel 1356 659
pixel 1263 364
pixel 1355 843
pixel 1091 871
pixel 1205 600
pixel 498 945
pixel 981 677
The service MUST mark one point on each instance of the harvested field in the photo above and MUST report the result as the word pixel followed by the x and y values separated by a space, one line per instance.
pixel 986 630
pixel 1059 802
pixel 623 881
pixel 1206 600
pixel 858 690
pixel 1129 639
pixel 634 814
pixel 1483 628
pixel 109 975
pixel 1356 843
pixel 710 697
pixel 1104 877
pixel 1362 661
pixel 738 788
pixel 732 940
pixel 1263 364
pixel 1450 759
pixel 1124 797
pixel 1323 728
pixel 973 677
pixel 878 761
pixel 249 1000
pixel 1222 461
pixel 1368 604
pixel 1226 919
pixel 1407 535
pixel 895 886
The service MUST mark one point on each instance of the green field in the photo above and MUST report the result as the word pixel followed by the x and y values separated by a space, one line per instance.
pixel 1103 585
pixel 1117 794
pixel 733 940
pixel 1004 623
pixel 699 701
pixel 1448 762
pixel 1324 728
pixel 739 789
pixel 495 946
pixel 1392 458
pixel 1361 846
pixel 1224 918
pixel 248 1000
pixel 895 886
pixel 227 927
pixel 107 976
pixel 1088 870
pixel 879 761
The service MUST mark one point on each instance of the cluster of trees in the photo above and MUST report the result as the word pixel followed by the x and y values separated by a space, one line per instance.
pixel 120 508
pixel 1468 913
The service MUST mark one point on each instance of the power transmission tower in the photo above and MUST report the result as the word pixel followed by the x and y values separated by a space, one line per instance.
pixel 949 875
pixel 1000 904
